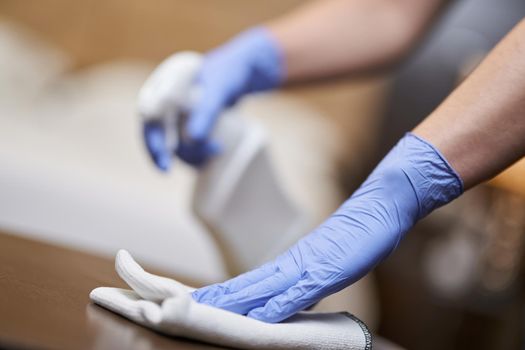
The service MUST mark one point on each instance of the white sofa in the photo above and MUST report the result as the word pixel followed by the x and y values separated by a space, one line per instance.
pixel 72 167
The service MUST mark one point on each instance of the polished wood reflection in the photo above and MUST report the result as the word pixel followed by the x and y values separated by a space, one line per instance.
pixel 44 302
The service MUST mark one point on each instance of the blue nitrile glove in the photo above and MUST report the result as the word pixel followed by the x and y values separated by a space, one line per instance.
pixel 410 182
pixel 248 63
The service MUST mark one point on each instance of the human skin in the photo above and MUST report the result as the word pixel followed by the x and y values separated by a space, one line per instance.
pixel 479 128
pixel 330 37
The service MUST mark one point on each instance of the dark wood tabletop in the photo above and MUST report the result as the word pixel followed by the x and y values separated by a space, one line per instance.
pixel 44 302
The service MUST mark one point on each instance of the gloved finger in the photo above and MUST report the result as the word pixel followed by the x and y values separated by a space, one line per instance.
pixel 296 298
pixel 204 114
pixel 126 303
pixel 155 139
pixel 235 284
pixel 253 296
pixel 197 153
pixel 148 286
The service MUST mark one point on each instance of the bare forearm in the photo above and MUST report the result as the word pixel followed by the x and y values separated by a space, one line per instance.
pixel 480 128
pixel 328 37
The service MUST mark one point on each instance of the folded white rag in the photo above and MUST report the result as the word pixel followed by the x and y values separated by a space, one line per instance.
pixel 166 305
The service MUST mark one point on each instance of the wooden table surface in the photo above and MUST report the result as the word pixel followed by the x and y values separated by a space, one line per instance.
pixel 44 302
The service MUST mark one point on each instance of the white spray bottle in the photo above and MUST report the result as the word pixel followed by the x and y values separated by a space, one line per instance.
pixel 238 195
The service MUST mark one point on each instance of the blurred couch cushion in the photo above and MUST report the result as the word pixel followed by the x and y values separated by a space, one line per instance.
pixel 73 169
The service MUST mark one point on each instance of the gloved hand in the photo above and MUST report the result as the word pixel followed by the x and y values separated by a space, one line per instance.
pixel 165 305
pixel 411 181
pixel 248 63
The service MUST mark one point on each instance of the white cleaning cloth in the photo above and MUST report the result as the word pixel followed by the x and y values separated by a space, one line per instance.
pixel 166 305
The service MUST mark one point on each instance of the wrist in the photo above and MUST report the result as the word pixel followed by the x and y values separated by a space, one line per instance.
pixel 410 182
pixel 434 180
pixel 263 54
pixel 427 172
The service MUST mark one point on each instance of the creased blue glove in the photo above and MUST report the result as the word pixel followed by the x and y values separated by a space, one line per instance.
pixel 410 182
pixel 248 63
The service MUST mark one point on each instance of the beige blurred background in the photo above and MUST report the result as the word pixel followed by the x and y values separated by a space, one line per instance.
pixel 73 170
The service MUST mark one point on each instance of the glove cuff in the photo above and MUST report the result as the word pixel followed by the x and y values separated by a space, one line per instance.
pixel 409 183
pixel 267 62
pixel 433 179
